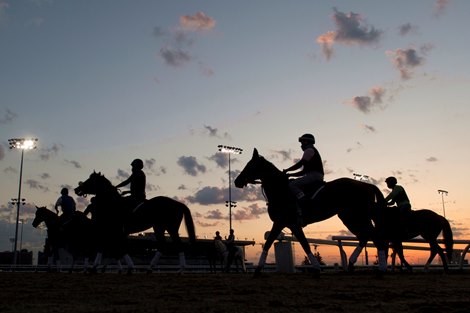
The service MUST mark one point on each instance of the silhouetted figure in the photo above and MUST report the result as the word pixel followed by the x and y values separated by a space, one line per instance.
pixel 67 205
pixel 399 198
pixel 137 182
pixel 230 243
pixel 311 172
pixel 217 236
pixel 91 208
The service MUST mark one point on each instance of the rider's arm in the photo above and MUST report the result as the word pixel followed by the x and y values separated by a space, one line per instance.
pixel 127 181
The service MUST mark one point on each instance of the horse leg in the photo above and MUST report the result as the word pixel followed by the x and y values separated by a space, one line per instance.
pixel 299 234
pixel 355 255
pixel 97 262
pixel 177 240
pixel 398 249
pixel 274 233
pixel 160 239
pixel 436 249
pixel 129 262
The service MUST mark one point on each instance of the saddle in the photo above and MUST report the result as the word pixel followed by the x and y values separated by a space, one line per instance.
pixel 312 190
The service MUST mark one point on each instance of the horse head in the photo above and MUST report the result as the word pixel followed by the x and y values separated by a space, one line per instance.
pixel 257 169
pixel 43 215
pixel 95 184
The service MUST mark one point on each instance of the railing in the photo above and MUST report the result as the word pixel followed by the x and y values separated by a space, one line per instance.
pixel 352 241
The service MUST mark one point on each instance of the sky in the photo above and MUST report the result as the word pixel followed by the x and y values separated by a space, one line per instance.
pixel 382 85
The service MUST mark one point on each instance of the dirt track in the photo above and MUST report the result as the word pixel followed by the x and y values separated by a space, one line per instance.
pixel 332 292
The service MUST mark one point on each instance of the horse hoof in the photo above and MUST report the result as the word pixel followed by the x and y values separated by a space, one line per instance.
pixel 316 272
pixel 379 274
pixel 257 273
pixel 351 268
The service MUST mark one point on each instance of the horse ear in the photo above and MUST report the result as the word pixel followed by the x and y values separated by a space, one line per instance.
pixel 255 153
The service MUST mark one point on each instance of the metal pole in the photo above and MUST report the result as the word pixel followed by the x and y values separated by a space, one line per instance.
pixel 229 194
pixel 15 251
pixel 442 192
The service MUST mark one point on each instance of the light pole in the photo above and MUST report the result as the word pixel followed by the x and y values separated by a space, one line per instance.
pixel 442 193
pixel 230 150
pixel 22 144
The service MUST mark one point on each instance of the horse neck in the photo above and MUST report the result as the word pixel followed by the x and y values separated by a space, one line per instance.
pixel 274 184
pixel 50 219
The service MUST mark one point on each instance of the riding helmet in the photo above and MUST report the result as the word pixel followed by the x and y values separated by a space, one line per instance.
pixel 307 137
pixel 392 180
pixel 138 163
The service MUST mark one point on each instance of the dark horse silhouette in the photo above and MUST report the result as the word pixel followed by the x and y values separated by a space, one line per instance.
pixel 75 235
pixel 425 223
pixel 160 213
pixel 353 201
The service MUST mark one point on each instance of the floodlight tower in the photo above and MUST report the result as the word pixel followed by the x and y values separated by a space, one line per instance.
pixel 22 144
pixel 230 150
pixel 442 193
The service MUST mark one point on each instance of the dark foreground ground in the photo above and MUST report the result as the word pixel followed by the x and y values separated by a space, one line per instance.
pixel 197 292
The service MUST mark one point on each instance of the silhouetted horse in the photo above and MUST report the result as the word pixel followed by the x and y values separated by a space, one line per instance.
pixel 425 223
pixel 74 235
pixel 160 213
pixel 353 201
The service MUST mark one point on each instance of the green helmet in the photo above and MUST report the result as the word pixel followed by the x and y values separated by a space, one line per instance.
pixel 307 137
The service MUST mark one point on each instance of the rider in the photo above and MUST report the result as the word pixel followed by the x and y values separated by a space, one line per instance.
pixel 67 204
pixel 137 182
pixel 230 243
pixel 311 172
pixel 399 197
pixel 217 236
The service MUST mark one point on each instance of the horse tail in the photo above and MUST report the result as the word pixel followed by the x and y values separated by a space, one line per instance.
pixel 188 219
pixel 448 237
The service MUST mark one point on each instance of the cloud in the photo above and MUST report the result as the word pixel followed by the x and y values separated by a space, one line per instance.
pixel 249 213
pixel 350 30
pixel 440 7
pixel 45 176
pixel 215 195
pixel 8 116
pixel 214 132
pixel 215 215
pixel 174 56
pixel 221 159
pixel 191 166
pixel 177 42
pixel 431 159
pixel 285 154
pixel 368 128
pixel 34 184
pixel 122 174
pixel 75 164
pixel 358 146
pixel 47 153
pixel 197 22
pixel 406 29
pixel 406 60
pixel 208 195
pixel 3 12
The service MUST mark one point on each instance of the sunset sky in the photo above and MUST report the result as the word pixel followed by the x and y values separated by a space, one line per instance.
pixel 383 86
